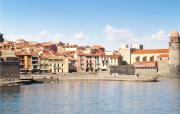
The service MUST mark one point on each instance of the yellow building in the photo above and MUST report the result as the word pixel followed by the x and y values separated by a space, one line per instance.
pixel 58 64
pixel 25 61
pixel 140 55
pixel 44 64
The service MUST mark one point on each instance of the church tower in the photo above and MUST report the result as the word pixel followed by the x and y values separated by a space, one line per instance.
pixel 174 54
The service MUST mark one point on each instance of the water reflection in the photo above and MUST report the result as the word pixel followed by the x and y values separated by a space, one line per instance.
pixel 92 97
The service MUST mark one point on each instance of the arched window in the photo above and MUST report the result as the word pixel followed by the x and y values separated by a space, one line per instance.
pixel 152 58
pixel 145 58
pixel 137 59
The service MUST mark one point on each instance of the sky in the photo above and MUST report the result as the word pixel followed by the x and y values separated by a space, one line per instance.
pixel 110 23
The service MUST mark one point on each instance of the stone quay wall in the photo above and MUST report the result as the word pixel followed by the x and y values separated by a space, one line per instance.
pixel 9 71
pixel 147 72
pixel 122 69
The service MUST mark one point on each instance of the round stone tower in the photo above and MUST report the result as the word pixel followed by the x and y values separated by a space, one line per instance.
pixel 174 54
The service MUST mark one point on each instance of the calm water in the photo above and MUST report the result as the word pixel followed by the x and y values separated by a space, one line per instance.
pixel 92 97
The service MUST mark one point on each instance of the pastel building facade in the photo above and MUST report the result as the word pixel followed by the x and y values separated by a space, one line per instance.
pixel 105 61
pixel 147 54
pixel 58 64
pixel 87 62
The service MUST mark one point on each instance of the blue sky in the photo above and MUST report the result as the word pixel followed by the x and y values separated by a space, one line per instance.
pixel 106 22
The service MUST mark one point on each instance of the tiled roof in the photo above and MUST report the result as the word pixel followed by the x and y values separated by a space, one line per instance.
pixel 145 64
pixel 88 54
pixel 149 51
pixel 72 59
pixel 70 46
pixel 22 53
pixel 112 56
pixel 163 55
pixel 44 56
pixel 34 53
pixel 97 46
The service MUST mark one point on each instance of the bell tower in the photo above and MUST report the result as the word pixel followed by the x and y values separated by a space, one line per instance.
pixel 174 54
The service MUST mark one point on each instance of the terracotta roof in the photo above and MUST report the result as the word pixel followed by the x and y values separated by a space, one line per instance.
pixel 56 57
pixel 34 53
pixel 44 56
pixel 145 64
pixel 163 55
pixel 87 54
pixel 97 46
pixel 149 51
pixel 112 56
pixel 22 53
pixel 66 53
pixel 45 44
pixel 72 59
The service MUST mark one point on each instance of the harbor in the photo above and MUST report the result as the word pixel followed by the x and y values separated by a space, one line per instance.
pixel 132 78
pixel 93 97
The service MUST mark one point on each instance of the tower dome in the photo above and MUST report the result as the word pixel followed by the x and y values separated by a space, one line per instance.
pixel 175 34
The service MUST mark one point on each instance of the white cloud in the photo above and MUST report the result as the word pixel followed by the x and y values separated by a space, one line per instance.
pixel 58 36
pixel 15 37
pixel 79 36
pixel 110 35
pixel 44 34
pixel 161 35
pixel 118 34
pixel 125 36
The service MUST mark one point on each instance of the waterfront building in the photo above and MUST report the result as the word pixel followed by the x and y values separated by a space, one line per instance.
pixel 160 62
pixel 73 63
pixel 35 62
pixel 58 64
pixel 140 55
pixel 105 61
pixel 44 64
pixel 163 66
pixel 25 61
pixel 147 68
pixel 29 61
pixel 126 51
pixel 7 45
pixel 87 62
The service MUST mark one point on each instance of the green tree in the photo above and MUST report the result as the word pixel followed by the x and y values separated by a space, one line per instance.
pixel 1 38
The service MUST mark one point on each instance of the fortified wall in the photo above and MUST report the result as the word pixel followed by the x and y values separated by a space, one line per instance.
pixel 9 67
pixel 9 71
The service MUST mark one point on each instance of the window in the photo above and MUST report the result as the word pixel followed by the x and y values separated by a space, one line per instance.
pixel 152 58
pixel 137 59
pixel 145 58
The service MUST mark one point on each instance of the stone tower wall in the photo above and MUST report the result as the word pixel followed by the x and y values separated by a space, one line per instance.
pixel 174 59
